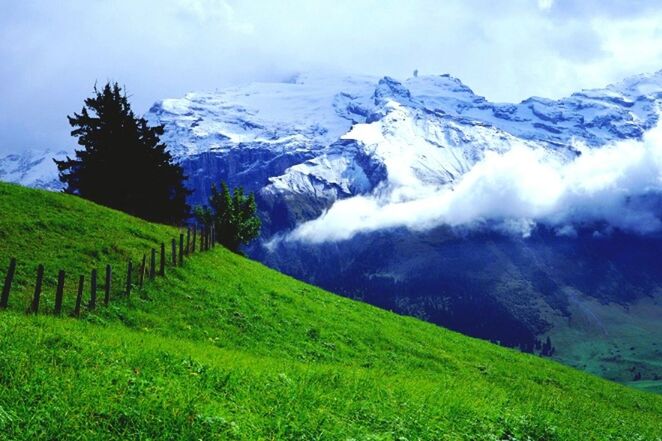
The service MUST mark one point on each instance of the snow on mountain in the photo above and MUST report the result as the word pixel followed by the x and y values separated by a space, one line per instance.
pixel 371 176
pixel 622 110
pixel 426 132
pixel 312 139
pixel 32 168
pixel 307 113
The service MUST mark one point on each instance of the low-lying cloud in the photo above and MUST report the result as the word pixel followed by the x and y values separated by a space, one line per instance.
pixel 616 185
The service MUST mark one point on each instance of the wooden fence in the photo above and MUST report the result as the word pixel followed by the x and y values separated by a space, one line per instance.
pixel 181 248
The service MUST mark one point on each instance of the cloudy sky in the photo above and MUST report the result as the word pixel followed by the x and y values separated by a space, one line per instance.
pixel 52 52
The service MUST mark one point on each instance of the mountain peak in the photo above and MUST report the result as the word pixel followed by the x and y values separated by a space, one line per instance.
pixel 638 85
pixel 276 125
pixel 390 88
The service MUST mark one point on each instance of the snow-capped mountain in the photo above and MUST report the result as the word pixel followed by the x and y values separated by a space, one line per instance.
pixel 313 142
pixel 329 137
pixel 32 168
pixel 306 142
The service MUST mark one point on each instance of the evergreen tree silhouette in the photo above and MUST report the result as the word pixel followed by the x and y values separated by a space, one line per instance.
pixel 123 164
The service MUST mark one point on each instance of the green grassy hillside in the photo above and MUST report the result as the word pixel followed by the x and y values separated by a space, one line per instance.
pixel 225 348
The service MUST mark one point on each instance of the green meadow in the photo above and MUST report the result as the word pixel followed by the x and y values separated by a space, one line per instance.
pixel 225 348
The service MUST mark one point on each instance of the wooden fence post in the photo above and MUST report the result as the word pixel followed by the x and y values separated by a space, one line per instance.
pixel 34 307
pixel 4 300
pixel 79 296
pixel 195 231
pixel 174 252
pixel 141 277
pixel 181 249
pixel 109 278
pixel 162 261
pixel 152 266
pixel 128 278
pixel 93 290
pixel 59 292
pixel 188 240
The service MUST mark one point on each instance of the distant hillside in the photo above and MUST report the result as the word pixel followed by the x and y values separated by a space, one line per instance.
pixel 225 348
pixel 423 197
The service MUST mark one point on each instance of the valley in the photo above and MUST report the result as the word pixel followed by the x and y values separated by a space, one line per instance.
pixel 225 348
pixel 307 143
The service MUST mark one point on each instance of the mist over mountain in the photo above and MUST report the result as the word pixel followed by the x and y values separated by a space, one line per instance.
pixel 511 222
pixel 615 186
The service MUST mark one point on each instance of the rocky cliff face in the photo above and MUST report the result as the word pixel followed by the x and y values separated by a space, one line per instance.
pixel 303 144
pixel 333 137
pixel 394 146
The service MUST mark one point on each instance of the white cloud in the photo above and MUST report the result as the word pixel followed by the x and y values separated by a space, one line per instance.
pixel 52 52
pixel 545 5
pixel 514 191
pixel 216 12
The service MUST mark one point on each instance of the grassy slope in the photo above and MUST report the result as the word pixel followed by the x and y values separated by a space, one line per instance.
pixel 226 348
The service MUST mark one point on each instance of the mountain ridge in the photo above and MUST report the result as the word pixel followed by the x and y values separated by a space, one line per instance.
pixel 248 117
pixel 381 149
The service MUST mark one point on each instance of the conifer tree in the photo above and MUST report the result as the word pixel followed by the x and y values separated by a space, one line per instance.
pixel 123 163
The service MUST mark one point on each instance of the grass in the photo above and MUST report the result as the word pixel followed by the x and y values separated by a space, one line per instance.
pixel 625 345
pixel 226 348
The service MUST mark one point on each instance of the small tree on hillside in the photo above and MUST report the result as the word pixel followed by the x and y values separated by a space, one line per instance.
pixel 233 216
pixel 123 164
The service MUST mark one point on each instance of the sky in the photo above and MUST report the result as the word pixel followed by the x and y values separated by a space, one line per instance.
pixel 53 52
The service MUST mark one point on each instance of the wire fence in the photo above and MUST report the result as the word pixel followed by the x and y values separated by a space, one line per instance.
pixel 195 240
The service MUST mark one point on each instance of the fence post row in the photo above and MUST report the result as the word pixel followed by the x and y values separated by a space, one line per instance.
pixel 59 292
pixel 79 296
pixel 207 239
pixel 4 299
pixel 109 277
